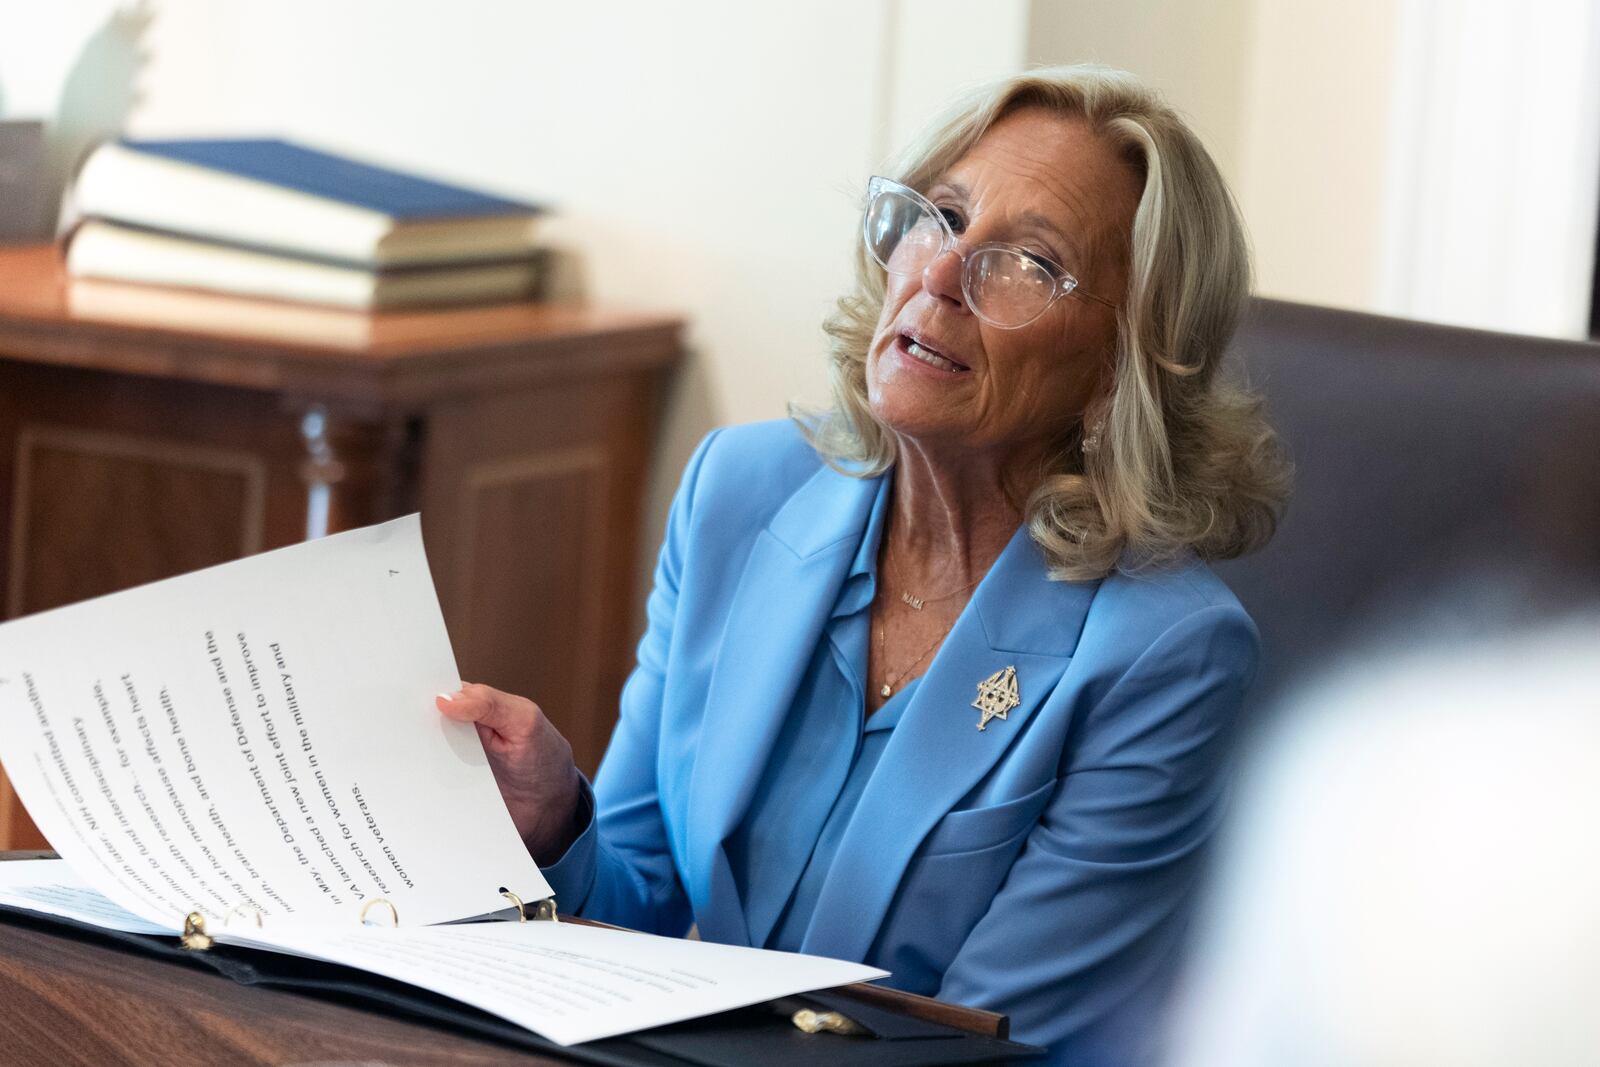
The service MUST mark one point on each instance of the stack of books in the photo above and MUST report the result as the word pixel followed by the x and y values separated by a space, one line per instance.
pixel 273 219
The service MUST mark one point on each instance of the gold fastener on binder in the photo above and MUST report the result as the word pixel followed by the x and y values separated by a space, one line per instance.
pixel 545 910
pixel 194 934
pixel 831 1022
pixel 394 913
pixel 522 910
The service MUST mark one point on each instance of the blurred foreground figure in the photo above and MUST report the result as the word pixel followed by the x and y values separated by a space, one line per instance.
pixel 1414 873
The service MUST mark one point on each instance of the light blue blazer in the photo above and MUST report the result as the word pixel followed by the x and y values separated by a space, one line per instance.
pixel 1038 868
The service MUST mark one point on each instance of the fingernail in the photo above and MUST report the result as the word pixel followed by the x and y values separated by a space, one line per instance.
pixel 446 696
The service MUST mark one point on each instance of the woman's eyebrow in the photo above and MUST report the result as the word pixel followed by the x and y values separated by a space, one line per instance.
pixel 1040 222
pixel 1031 219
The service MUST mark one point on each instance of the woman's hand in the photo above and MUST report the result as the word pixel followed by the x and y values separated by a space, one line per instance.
pixel 532 765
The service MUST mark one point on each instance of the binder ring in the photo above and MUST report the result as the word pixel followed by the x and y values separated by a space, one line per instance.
pixel 522 909
pixel 243 909
pixel 394 913
pixel 194 934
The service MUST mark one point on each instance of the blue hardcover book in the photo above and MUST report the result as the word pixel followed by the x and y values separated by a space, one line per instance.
pixel 286 198
pixel 292 166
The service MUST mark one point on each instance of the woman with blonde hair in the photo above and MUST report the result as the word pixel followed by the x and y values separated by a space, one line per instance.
pixel 938 679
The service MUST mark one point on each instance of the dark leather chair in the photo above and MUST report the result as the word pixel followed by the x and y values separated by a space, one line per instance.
pixel 1447 483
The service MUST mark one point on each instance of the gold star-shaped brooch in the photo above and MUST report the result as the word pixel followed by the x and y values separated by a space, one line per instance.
pixel 997 695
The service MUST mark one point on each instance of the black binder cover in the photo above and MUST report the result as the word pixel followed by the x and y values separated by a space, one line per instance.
pixel 760 1034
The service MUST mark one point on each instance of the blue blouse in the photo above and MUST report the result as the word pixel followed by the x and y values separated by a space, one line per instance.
pixel 824 757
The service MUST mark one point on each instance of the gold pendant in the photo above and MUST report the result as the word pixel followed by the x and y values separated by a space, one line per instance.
pixel 916 602
pixel 997 695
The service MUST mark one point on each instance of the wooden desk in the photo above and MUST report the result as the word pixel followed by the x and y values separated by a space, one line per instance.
pixel 148 432
pixel 69 1001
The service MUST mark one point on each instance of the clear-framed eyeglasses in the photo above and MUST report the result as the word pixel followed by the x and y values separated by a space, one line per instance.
pixel 1005 285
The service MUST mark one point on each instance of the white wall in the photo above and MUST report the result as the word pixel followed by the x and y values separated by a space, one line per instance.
pixel 1196 54
pixel 1290 97
pixel 1317 147
pixel 937 48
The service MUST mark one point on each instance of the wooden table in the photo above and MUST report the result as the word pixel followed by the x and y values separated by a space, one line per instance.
pixel 67 1001
pixel 148 432
pixel 70 1002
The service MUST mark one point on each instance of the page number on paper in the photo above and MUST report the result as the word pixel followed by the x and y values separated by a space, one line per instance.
pixel 392 573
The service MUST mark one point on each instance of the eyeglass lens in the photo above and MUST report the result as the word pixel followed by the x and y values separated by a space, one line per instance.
pixel 1002 286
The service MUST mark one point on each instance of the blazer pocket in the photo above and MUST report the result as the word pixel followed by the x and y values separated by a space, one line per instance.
pixel 976 829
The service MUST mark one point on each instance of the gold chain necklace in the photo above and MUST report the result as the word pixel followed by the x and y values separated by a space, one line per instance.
pixel 916 603
pixel 895 679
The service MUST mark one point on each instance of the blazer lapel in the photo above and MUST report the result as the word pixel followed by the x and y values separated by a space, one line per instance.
pixel 784 599
pixel 1017 618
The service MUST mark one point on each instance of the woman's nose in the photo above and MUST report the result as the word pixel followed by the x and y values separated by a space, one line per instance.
pixel 942 277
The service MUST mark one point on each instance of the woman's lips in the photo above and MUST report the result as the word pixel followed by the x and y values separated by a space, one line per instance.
pixel 915 350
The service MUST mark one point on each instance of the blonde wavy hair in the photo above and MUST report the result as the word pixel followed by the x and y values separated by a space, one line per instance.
pixel 1185 459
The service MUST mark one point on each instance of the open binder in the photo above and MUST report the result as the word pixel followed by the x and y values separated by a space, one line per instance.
pixel 196 937
pixel 767 1033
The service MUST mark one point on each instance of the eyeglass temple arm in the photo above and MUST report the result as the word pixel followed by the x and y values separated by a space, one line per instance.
pixel 1080 291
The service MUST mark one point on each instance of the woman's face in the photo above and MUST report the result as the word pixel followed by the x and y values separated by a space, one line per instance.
pixel 1043 181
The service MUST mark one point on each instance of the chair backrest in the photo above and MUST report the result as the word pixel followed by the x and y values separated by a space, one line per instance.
pixel 1446 479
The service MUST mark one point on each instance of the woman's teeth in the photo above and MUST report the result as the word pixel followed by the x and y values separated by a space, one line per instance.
pixel 931 358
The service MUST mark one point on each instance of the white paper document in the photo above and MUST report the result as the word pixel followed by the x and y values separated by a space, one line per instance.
pixel 51 888
pixel 567 982
pixel 259 740
pixel 262 735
